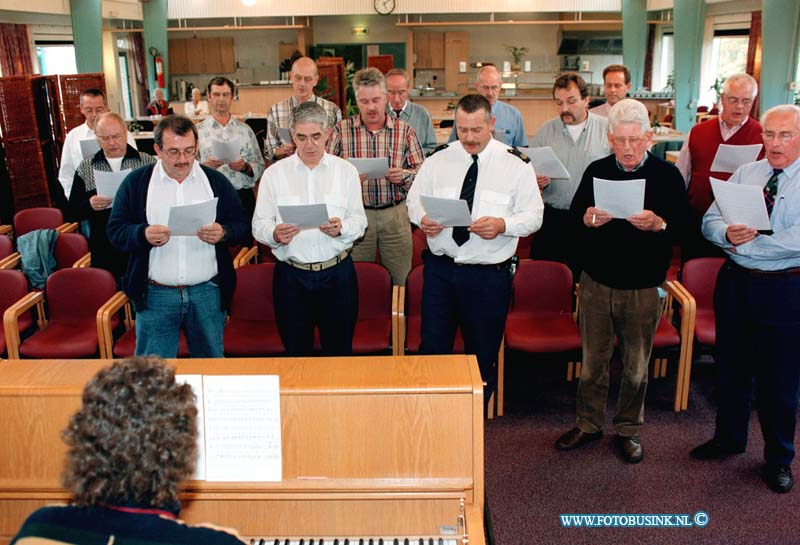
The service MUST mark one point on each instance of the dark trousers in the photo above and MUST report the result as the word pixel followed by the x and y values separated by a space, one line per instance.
pixel 758 337
pixel 326 299
pixel 696 245
pixel 555 240
pixel 247 197
pixel 476 297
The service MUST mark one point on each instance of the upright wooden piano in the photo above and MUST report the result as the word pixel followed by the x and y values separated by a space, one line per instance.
pixel 374 447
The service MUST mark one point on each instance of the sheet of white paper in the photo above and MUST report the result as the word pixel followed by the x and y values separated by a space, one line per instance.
pixel 89 147
pixel 225 151
pixel 243 428
pixel 196 382
pixel 741 203
pixel 108 183
pixel 729 158
pixel 373 168
pixel 285 136
pixel 620 198
pixel 186 219
pixel 545 162
pixel 304 216
pixel 448 212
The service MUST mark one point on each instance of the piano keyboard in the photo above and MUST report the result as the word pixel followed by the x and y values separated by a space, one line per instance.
pixel 360 541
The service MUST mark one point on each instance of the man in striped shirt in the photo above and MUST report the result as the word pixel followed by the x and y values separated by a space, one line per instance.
pixel 372 134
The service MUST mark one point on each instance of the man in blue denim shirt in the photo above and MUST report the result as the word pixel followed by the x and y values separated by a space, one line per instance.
pixel 757 303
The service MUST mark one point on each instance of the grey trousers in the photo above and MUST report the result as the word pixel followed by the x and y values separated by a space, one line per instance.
pixel 632 316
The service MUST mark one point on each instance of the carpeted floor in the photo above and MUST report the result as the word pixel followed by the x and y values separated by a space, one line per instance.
pixel 529 483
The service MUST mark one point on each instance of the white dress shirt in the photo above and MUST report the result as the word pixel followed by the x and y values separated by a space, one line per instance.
pixel 333 182
pixel 506 188
pixel 183 260
pixel 201 109
pixel 71 155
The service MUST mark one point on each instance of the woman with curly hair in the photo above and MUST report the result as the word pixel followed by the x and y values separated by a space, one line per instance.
pixel 130 446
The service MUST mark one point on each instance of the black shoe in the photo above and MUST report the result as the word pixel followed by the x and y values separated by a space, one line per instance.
pixel 713 450
pixel 631 448
pixel 778 477
pixel 575 438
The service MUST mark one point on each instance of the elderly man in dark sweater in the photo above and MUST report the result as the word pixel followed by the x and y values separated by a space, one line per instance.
pixel 624 261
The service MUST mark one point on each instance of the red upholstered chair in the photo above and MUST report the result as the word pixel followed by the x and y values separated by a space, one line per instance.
pixel 30 219
pixel 73 299
pixel 524 247
pixel 409 316
pixel 251 329
pixel 122 345
pixel 15 287
pixel 9 259
pixel 419 243
pixel 699 278
pixel 374 327
pixel 540 320
pixel 260 253
pixel 71 250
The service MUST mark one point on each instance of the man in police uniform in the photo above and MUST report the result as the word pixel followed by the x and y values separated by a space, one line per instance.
pixel 467 278
pixel 315 280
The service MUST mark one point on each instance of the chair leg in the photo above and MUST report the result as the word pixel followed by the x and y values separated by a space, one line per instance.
pixel 664 364
pixel 490 409
pixel 570 370
pixel 577 369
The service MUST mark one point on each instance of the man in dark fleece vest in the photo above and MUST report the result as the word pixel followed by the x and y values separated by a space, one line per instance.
pixel 733 127
pixel 177 282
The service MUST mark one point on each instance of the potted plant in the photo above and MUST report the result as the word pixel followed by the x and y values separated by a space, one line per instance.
pixel 516 55
pixel 717 88
pixel 134 127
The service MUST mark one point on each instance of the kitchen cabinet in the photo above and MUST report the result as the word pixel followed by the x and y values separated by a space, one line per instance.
pixel 178 57
pixel 202 56
pixel 429 49
pixel 456 50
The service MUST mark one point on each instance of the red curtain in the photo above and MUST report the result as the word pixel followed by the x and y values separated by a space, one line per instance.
pixel 15 50
pixel 137 41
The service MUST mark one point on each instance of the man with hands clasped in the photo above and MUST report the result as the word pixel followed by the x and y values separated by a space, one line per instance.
pixel 315 281
pixel 624 261
pixel 177 282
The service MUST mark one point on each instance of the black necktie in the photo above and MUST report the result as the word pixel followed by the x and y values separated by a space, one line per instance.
pixel 771 190
pixel 397 113
pixel 460 234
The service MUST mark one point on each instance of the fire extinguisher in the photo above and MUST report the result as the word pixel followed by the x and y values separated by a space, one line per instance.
pixel 160 71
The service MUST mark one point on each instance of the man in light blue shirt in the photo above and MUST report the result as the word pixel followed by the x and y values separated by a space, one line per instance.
pixel 399 107
pixel 578 138
pixel 757 302
pixel 508 127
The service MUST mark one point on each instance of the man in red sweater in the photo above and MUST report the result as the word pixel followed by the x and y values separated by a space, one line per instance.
pixel 734 127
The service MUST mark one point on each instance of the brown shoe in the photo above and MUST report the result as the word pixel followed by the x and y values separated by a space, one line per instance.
pixel 575 438
pixel 631 448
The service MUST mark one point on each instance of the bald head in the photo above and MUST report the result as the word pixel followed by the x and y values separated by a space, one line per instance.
pixel 112 134
pixel 488 83
pixel 304 77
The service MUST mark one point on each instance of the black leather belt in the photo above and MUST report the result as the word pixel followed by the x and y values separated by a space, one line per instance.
pixel 384 206
pixel 505 265
pixel 758 273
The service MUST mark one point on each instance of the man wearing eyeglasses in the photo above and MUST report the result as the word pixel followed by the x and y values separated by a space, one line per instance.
pixel 577 137
pixel 757 304
pixel 115 155
pixel 244 169
pixel 177 282
pixel 304 77
pixel 508 126
pixel 624 262
pixel 315 280
pixel 733 127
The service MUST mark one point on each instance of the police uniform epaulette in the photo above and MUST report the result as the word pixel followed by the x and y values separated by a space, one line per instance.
pixel 439 148
pixel 515 151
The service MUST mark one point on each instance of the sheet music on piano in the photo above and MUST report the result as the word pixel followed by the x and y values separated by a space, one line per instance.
pixel 239 427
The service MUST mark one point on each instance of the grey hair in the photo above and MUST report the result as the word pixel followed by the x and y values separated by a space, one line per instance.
pixel 628 110
pixel 368 77
pixel 740 78
pixel 309 112
pixel 110 115
pixel 782 109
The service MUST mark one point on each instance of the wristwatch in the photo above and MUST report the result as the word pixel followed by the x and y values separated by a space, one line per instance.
pixel 663 225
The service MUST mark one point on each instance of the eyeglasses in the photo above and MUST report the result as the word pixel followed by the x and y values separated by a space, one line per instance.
pixel 784 137
pixel 734 101
pixel 174 153
pixel 630 140
pixel 110 137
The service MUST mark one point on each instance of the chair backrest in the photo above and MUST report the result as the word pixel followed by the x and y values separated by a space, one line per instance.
pixel 419 242
pixel 70 247
pixel 252 299
pixel 6 248
pixel 542 287
pixel 30 219
pixel 374 290
pixel 413 306
pixel 265 254
pixel 15 286
pixel 699 277
pixel 76 294
pixel 524 247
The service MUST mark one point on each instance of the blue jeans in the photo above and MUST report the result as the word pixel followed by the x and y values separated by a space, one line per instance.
pixel 196 309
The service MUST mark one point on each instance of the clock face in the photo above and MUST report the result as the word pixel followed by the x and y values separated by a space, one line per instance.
pixel 384 7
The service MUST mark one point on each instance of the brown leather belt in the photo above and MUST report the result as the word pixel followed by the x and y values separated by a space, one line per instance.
pixel 320 266
pixel 160 285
